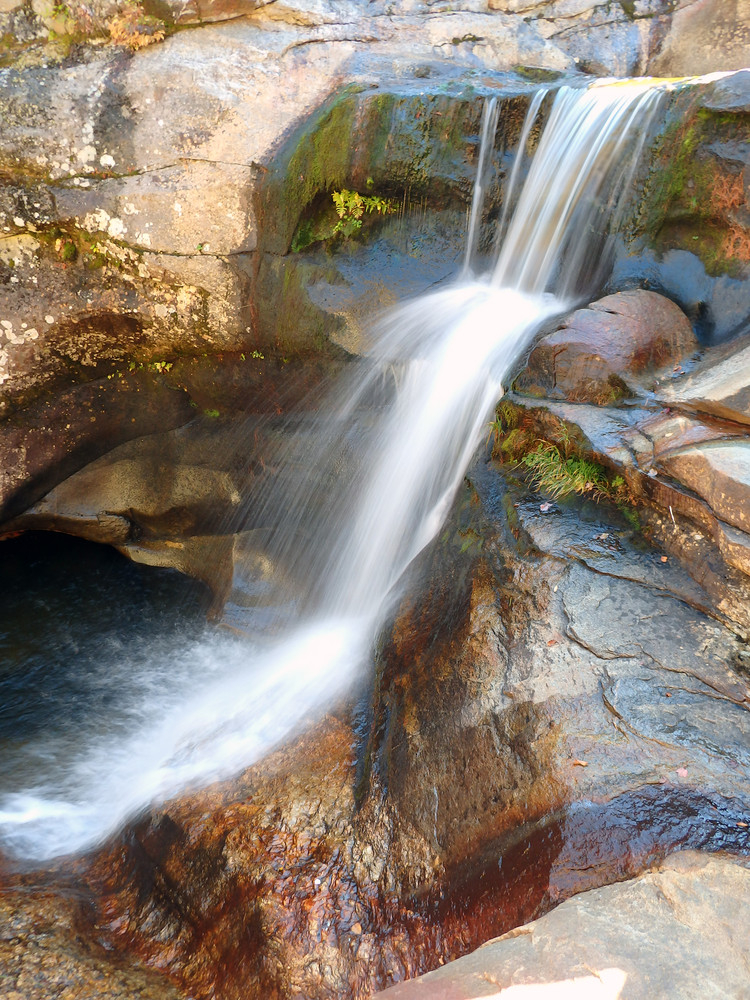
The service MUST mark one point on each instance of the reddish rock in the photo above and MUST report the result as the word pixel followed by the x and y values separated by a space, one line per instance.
pixel 599 354
pixel 638 939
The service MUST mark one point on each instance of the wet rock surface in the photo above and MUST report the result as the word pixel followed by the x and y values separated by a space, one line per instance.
pixel 555 706
pixel 184 447
pixel 679 442
pixel 600 353
pixel 561 663
pixel 550 713
pixel 47 950
pixel 638 939
pixel 718 388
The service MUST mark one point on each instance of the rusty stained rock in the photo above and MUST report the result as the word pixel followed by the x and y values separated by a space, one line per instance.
pixel 249 889
pixel 635 940
pixel 601 353
pixel 538 726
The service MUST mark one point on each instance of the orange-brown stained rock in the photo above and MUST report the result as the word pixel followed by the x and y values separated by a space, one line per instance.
pixel 385 840
pixel 600 353
pixel 253 888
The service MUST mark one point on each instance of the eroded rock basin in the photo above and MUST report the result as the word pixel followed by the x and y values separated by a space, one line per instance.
pixel 539 725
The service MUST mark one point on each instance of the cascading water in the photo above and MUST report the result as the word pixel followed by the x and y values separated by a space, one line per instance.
pixel 405 430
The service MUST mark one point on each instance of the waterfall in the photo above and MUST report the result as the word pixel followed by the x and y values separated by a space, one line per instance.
pixel 359 495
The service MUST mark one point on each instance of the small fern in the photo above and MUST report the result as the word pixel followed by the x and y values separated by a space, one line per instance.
pixel 351 206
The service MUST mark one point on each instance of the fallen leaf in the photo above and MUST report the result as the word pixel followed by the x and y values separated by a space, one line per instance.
pixel 552 642
pixel 682 771
pixel 740 823
pixel 581 763
pixel 663 558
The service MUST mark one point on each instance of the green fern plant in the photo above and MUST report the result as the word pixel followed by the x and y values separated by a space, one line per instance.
pixel 351 206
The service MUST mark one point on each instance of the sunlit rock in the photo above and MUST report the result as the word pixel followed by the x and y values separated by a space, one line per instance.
pixel 637 939
pixel 600 354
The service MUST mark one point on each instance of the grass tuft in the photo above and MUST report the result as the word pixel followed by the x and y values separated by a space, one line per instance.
pixel 557 477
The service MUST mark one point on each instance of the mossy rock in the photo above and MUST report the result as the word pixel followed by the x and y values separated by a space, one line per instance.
pixel 696 196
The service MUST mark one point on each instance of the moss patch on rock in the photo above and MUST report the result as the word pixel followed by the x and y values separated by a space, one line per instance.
pixel 695 196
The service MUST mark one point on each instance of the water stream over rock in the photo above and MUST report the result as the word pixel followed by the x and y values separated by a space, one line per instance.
pixel 356 499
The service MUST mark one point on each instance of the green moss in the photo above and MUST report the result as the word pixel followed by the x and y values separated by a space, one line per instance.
pixel 557 476
pixel 537 74
pixel 554 455
pixel 68 251
pixel 670 174
pixel 413 147
pixel 684 204
pixel 317 161
pixel 618 390
pixel 93 261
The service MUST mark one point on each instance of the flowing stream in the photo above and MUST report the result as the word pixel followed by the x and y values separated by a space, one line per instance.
pixel 358 498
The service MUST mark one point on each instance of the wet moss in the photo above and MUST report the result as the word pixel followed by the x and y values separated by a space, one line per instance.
pixel 316 160
pixel 691 196
pixel 537 74
pixel 554 456
pixel 414 147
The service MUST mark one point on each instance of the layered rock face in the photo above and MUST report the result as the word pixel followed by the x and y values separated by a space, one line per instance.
pixel 677 433
pixel 152 192
pixel 561 699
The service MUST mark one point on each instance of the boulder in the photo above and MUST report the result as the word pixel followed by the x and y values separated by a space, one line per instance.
pixel 705 36
pixel 601 354
pixel 635 940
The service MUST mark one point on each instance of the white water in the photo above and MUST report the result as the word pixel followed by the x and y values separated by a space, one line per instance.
pixel 426 393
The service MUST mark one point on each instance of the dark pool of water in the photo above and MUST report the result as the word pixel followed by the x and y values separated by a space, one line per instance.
pixel 76 621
